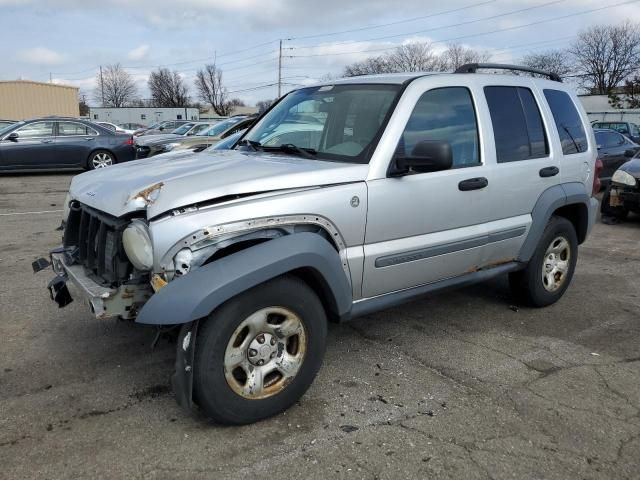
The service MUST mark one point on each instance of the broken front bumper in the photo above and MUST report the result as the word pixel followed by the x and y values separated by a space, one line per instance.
pixel 104 302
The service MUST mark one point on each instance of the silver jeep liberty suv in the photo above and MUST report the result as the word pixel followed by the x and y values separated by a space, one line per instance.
pixel 343 199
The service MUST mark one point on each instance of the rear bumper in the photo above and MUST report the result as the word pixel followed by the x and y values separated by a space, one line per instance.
pixel 104 302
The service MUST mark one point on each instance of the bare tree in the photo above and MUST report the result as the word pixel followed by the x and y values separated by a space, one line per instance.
pixel 212 91
pixel 167 89
pixel 115 87
pixel 263 105
pixel 628 96
pixel 556 61
pixel 457 55
pixel 606 55
pixel 370 66
pixel 413 57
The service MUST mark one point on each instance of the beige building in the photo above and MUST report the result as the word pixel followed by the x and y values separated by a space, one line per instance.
pixel 22 99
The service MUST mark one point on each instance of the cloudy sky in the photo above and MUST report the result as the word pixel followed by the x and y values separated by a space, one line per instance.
pixel 69 39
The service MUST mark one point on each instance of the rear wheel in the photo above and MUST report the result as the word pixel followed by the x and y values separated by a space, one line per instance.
pixel 258 353
pixel 550 270
pixel 100 159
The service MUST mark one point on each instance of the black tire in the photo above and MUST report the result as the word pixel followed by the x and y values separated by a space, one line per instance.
pixel 528 285
pixel 91 160
pixel 606 209
pixel 211 390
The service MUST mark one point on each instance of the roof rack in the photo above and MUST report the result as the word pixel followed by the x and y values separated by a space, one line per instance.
pixel 473 67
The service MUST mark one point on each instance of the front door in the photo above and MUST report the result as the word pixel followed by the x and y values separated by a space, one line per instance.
pixel 33 148
pixel 425 227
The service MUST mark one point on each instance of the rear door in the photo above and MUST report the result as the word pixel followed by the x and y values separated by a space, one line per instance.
pixel 74 142
pixel 34 148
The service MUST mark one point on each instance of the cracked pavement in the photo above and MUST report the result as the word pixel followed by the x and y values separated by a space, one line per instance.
pixel 455 385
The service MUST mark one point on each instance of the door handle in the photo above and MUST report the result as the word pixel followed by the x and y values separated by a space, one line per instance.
pixel 549 171
pixel 473 184
pixel 88 139
pixel 46 141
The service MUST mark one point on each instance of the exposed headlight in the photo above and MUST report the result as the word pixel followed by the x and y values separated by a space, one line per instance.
pixel 137 245
pixel 620 176
pixel 65 207
pixel 170 146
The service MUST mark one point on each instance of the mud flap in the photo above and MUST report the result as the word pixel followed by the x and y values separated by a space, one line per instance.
pixel 182 380
pixel 59 291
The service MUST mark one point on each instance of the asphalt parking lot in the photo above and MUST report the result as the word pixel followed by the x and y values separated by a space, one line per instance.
pixel 459 385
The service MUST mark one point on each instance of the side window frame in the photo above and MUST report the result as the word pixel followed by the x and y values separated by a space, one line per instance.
pixel 474 108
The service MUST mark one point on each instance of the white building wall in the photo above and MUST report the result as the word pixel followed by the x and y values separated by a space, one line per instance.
pixel 599 109
pixel 143 115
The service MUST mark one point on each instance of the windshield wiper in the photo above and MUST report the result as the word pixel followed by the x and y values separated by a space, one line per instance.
pixel 251 143
pixel 303 152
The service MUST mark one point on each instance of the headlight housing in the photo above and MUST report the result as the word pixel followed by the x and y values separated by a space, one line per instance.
pixel 624 178
pixel 170 146
pixel 137 245
pixel 66 208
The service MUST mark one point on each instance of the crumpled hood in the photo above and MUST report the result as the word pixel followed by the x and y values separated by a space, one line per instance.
pixel 157 139
pixel 160 184
pixel 632 167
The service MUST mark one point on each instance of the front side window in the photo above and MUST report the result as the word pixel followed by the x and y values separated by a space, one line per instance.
pixel 36 130
pixel 444 115
pixel 72 128
pixel 332 122
pixel 517 124
pixel 570 129
pixel 609 139
pixel 221 127
pixel 182 129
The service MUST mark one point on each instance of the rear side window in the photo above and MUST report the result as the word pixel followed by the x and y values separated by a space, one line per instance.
pixel 572 135
pixel 609 139
pixel 517 125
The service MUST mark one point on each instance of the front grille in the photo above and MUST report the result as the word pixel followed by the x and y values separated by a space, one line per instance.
pixel 142 151
pixel 97 239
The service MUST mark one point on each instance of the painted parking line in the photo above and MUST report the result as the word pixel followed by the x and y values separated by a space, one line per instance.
pixel 41 212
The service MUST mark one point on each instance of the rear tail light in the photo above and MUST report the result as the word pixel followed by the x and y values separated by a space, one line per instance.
pixel 596 177
pixel 129 141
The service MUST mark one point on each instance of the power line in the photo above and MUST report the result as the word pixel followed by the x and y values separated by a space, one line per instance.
pixel 442 27
pixel 515 27
pixel 381 25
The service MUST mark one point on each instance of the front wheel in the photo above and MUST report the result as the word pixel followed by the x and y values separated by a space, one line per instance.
pixel 550 270
pixel 100 159
pixel 259 352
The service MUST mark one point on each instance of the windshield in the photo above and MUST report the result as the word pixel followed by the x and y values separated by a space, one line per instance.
pixel 5 126
pixel 227 143
pixel 182 129
pixel 222 127
pixel 198 129
pixel 334 122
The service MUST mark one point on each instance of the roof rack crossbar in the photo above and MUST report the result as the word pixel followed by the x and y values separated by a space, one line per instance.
pixel 473 67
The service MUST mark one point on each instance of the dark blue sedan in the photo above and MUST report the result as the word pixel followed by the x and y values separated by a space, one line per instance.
pixel 56 143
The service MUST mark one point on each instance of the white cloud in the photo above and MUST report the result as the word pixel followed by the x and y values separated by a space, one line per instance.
pixel 40 56
pixel 138 53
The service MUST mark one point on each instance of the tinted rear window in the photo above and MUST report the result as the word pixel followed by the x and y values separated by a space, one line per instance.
pixel 517 125
pixel 572 135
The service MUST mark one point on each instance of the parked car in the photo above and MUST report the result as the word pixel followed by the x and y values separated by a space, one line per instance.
pixel 59 143
pixel 114 128
pixel 133 127
pixel 163 127
pixel 613 149
pixel 623 194
pixel 226 144
pixel 195 142
pixel 419 182
pixel 6 123
pixel 628 129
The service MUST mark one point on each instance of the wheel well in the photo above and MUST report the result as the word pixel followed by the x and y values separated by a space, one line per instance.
pixel 319 285
pixel 92 152
pixel 578 215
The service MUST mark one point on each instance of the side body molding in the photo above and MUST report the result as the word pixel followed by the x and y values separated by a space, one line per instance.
pixel 195 295
pixel 551 199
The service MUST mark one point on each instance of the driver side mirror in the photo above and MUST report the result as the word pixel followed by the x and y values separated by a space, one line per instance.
pixel 13 136
pixel 427 156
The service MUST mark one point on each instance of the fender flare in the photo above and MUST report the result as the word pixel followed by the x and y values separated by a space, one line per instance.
pixel 551 199
pixel 198 293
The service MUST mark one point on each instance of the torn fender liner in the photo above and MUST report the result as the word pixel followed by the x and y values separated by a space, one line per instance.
pixel 197 294
pixel 182 380
pixel 59 291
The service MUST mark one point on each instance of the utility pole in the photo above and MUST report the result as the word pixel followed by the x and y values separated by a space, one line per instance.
pixel 102 85
pixel 50 79
pixel 280 70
